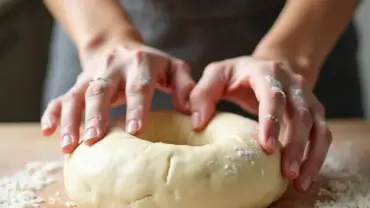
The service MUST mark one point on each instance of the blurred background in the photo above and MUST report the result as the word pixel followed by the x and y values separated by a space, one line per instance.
pixel 25 32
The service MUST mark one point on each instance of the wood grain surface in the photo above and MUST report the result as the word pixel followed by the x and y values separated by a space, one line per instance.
pixel 22 142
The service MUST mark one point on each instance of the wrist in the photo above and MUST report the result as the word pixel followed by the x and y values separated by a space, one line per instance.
pixel 108 38
pixel 304 65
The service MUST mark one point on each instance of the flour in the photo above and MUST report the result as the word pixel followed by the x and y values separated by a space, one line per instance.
pixel 346 188
pixel 21 189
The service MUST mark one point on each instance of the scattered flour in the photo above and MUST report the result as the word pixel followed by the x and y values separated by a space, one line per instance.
pixel 349 189
pixel 231 170
pixel 21 189
pixel 70 204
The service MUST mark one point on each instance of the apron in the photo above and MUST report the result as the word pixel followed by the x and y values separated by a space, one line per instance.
pixel 204 31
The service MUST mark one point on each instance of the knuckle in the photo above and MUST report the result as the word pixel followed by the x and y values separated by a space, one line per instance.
pixel 189 84
pixel 320 109
pixel 305 116
pixel 93 119
pixel 96 88
pixel 279 96
pixel 183 66
pixel 212 67
pixel 134 109
pixel 138 86
pixel 66 127
pixel 80 78
pixel 300 80
pixel 283 64
pixel 53 103
pixel 71 96
pixel 109 60
pixel 297 146
pixel 197 94
pixel 140 52
pixel 275 69
pixel 141 56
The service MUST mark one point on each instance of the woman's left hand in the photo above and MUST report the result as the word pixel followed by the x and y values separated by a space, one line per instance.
pixel 277 94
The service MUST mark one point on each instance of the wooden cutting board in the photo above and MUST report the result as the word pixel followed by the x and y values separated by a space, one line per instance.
pixel 22 143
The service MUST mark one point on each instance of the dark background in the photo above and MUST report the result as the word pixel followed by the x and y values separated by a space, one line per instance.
pixel 25 28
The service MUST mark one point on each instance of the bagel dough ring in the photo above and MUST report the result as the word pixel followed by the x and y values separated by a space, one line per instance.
pixel 174 167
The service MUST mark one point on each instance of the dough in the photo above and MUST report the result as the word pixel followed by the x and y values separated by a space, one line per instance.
pixel 171 166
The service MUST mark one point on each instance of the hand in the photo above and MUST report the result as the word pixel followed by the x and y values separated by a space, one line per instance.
pixel 112 77
pixel 276 93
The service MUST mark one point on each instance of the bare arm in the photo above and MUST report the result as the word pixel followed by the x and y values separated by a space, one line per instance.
pixel 305 33
pixel 92 23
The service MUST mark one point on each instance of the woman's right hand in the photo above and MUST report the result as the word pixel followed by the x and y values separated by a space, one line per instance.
pixel 114 76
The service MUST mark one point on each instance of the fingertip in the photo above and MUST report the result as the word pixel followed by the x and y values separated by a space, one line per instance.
pixel 181 95
pixel 183 108
pixel 91 136
pixel 91 141
pixel 69 149
pixel 291 167
pixel 288 172
pixel 269 129
pixel 196 120
pixel 134 126
pixel 309 170
pixel 48 132
pixel 48 126
pixel 303 184
pixel 269 143
pixel 201 114
pixel 69 143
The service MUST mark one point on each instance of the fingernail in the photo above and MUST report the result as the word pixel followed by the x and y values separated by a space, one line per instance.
pixel 294 167
pixel 306 183
pixel 132 126
pixel 66 140
pixel 272 143
pixel 46 124
pixel 90 133
pixel 196 119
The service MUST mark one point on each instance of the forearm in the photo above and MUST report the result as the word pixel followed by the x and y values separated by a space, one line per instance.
pixel 305 33
pixel 91 23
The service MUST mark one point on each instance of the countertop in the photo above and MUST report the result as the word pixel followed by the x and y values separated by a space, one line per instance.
pixel 22 142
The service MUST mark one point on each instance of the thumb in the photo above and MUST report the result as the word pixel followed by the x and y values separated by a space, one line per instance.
pixel 206 94
pixel 182 84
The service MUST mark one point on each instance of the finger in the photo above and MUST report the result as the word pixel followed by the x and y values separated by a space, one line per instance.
pixel 71 115
pixel 206 94
pixel 271 97
pixel 299 124
pixel 51 117
pixel 320 140
pixel 139 93
pixel 182 84
pixel 98 98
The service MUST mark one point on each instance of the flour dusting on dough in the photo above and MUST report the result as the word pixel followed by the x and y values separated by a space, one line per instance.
pixel 245 153
pixel 231 170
